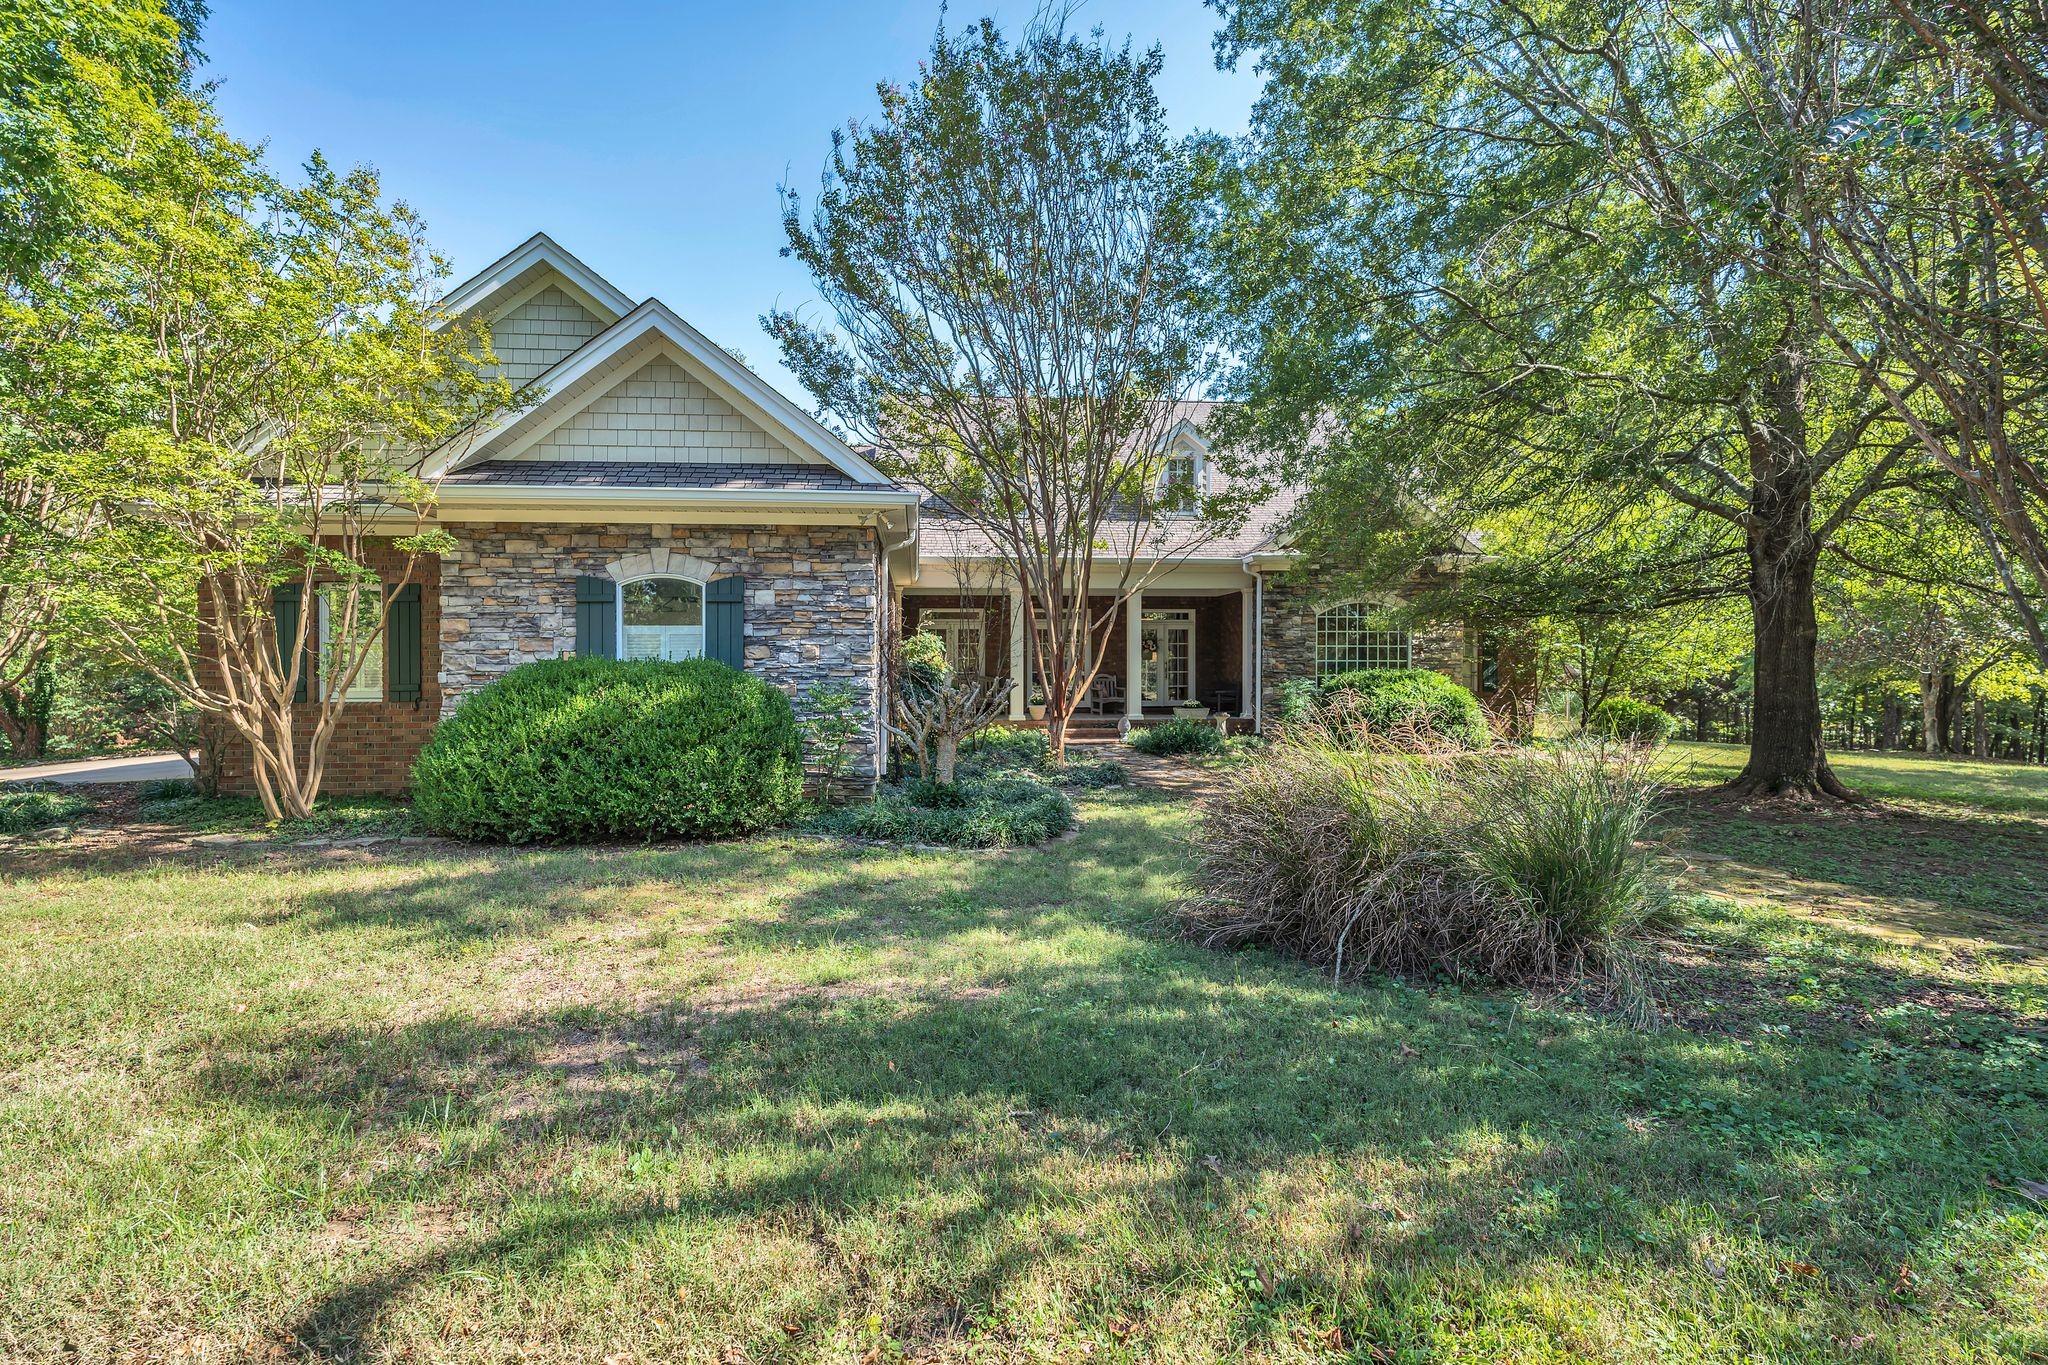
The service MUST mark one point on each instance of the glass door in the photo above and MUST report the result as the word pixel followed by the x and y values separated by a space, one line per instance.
pixel 1166 652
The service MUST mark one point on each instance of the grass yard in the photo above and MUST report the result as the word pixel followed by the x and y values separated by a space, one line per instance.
pixel 781 1100
pixel 1896 775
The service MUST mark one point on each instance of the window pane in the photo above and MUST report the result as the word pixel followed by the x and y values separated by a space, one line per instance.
pixel 1346 640
pixel 336 654
pixel 663 602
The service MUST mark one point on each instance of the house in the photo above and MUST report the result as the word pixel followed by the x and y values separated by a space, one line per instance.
pixel 658 499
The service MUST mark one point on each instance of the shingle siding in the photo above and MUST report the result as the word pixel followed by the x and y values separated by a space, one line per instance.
pixel 661 414
pixel 539 332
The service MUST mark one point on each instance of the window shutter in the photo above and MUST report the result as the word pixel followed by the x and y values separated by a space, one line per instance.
pixel 284 606
pixel 725 621
pixel 402 656
pixel 597 617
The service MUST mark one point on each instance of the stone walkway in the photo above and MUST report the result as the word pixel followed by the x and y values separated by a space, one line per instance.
pixel 1162 774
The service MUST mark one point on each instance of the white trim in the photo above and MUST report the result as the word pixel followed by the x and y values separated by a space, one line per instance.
pixel 1185 616
pixel 710 365
pixel 619 609
pixel 603 298
pixel 359 690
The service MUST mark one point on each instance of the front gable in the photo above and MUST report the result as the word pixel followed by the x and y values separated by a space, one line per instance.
pixel 661 413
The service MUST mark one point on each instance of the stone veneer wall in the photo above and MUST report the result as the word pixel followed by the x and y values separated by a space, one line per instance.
pixel 1290 640
pixel 813 600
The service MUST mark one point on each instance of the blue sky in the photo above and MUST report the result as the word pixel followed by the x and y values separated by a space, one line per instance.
pixel 646 138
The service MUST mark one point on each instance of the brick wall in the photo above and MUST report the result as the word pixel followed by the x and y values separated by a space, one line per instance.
pixel 813 607
pixel 374 742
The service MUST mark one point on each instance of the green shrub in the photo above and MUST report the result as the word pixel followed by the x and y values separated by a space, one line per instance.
pixel 1088 773
pixel 1632 721
pixel 1510 865
pixel 1177 736
pixel 572 749
pixel 26 808
pixel 1001 746
pixel 984 813
pixel 1397 701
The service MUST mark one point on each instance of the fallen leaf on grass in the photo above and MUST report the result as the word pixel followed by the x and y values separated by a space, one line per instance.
pixel 1798 1268
pixel 1121 1327
pixel 1212 1166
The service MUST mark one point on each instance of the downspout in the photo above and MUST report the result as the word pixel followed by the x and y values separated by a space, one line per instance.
pixel 1258 652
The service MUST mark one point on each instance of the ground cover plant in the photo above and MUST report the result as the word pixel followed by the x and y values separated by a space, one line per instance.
pixel 569 749
pixel 1008 791
pixel 787 1101
pixel 1178 737
pixel 24 808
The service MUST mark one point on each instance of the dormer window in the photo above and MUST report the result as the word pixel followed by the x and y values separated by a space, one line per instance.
pixel 1180 480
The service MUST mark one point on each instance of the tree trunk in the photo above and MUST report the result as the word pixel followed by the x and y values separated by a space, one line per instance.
pixel 1980 737
pixel 1055 733
pixel 1786 756
pixel 948 747
pixel 1930 712
pixel 1888 732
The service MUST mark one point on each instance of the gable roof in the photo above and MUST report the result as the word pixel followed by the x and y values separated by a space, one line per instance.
pixel 635 334
pixel 528 265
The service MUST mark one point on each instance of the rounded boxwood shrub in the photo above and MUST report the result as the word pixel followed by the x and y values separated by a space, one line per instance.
pixel 571 749
pixel 1178 736
pixel 1632 721
pixel 1388 700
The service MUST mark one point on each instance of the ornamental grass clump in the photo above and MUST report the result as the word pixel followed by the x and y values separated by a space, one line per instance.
pixel 1511 865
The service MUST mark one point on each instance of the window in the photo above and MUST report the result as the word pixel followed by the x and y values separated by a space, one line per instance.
pixel 336 655
pixel 661 618
pixel 962 633
pixel 1180 480
pixel 1353 636
pixel 1489 664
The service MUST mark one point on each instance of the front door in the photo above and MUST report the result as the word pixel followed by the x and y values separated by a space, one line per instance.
pixel 1167 656
pixel 962 632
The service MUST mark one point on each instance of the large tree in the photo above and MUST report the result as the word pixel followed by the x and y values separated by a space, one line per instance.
pixel 1003 255
pixel 1490 256
pixel 91 96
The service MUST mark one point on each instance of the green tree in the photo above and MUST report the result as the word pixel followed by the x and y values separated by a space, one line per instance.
pixel 92 96
pixel 1003 254
pixel 1487 257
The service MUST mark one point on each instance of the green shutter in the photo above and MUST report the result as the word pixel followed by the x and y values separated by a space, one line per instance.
pixel 402 657
pixel 597 617
pixel 725 621
pixel 284 605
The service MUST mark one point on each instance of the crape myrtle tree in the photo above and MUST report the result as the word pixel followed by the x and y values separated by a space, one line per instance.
pixel 298 376
pixel 1488 256
pixel 1003 253
pixel 90 97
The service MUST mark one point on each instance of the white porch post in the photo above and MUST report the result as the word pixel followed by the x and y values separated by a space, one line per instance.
pixel 1134 655
pixel 1017 664
pixel 1246 683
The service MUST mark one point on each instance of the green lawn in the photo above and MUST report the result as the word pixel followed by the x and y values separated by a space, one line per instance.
pixel 1895 775
pixel 782 1100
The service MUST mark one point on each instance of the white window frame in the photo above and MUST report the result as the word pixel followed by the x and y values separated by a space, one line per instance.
pixel 1362 643
pixel 1178 616
pixel 975 616
pixel 1181 449
pixel 369 682
pixel 619 610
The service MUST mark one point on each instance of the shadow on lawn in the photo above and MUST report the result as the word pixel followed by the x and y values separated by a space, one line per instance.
pixel 1062 1037
pixel 1924 872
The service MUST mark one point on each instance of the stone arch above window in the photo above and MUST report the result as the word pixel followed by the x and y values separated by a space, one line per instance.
pixel 1355 635
pixel 660 563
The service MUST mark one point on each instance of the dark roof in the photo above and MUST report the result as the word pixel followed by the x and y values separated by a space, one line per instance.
pixel 651 474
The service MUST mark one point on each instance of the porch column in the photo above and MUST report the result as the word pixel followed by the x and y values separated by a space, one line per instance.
pixel 1245 667
pixel 1134 654
pixel 1017 665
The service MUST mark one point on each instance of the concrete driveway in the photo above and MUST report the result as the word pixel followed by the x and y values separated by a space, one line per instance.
pixel 126 768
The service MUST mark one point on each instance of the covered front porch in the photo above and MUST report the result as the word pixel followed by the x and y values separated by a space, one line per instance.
pixel 1176 644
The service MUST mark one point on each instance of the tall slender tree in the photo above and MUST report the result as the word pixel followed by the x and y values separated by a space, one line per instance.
pixel 1004 256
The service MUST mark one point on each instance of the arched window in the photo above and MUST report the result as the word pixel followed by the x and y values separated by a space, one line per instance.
pixel 661 618
pixel 1355 635
pixel 1180 478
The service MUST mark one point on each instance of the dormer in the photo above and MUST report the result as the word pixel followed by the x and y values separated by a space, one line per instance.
pixel 1183 471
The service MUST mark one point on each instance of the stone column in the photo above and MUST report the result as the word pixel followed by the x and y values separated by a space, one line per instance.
pixel 1134 654
pixel 1017 664
pixel 1247 614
